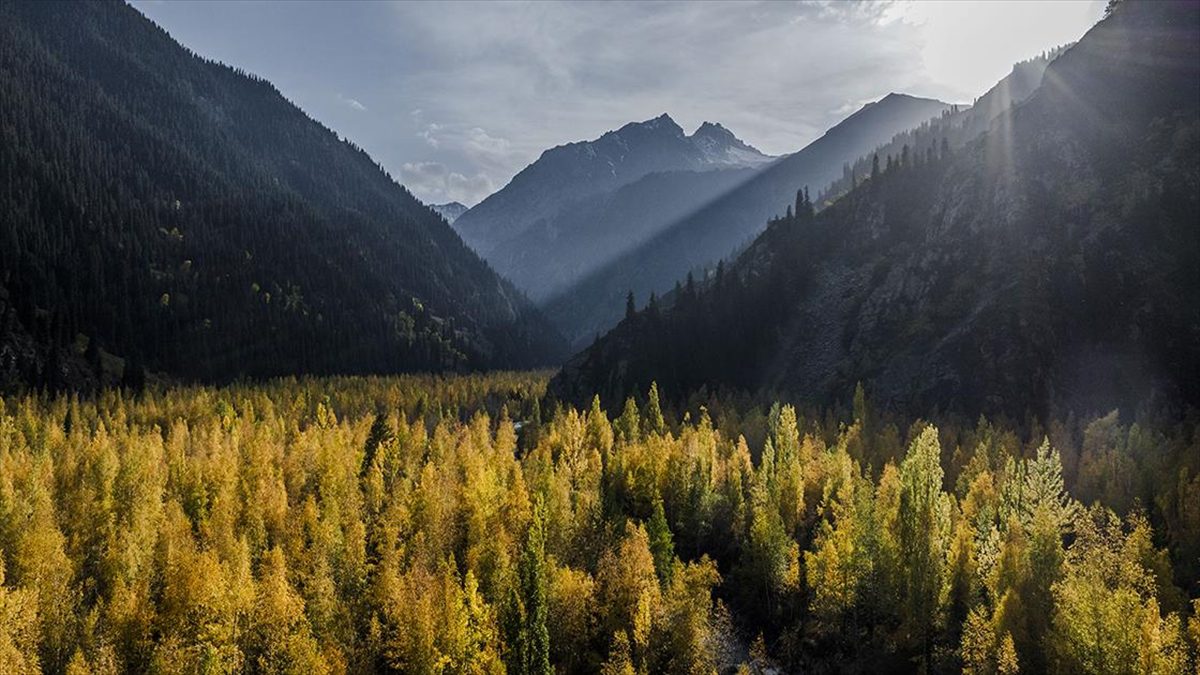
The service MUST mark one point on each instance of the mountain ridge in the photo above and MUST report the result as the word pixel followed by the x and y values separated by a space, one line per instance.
pixel 716 229
pixel 170 210
pixel 1050 265
pixel 558 218
pixel 581 169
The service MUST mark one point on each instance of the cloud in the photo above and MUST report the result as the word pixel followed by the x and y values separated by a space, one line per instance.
pixel 484 143
pixel 515 79
pixel 436 184
pixel 353 103
pixel 429 133
pixel 482 88
pixel 509 80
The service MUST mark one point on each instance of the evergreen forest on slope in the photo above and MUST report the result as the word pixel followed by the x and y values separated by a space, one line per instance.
pixel 176 213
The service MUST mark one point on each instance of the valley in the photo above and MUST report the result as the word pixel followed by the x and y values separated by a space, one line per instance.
pixel 362 365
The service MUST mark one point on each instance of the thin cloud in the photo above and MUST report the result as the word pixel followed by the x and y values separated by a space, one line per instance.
pixel 353 103
pixel 439 184
pixel 482 88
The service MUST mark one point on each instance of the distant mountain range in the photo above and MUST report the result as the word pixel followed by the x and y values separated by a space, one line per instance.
pixel 1051 264
pixel 714 229
pixel 579 205
pixel 450 211
pixel 184 215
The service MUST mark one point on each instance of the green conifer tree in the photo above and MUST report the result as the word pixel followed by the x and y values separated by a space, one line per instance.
pixel 652 417
pixel 662 543
pixel 534 637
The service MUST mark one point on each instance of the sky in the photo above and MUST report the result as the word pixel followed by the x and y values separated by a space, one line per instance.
pixel 454 98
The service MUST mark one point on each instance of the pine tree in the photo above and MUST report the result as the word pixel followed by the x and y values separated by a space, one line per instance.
pixel 535 637
pixel 628 425
pixel 924 523
pixel 652 305
pixel 652 417
pixel 532 428
pixel 630 307
pixel 662 544
pixel 380 433
pixel 860 406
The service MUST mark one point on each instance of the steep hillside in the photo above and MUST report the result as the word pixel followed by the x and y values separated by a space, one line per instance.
pixel 595 304
pixel 956 127
pixel 1053 262
pixel 183 214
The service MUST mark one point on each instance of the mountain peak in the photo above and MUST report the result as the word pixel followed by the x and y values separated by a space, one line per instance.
pixel 450 210
pixel 720 146
pixel 662 123
pixel 713 130
pixel 894 103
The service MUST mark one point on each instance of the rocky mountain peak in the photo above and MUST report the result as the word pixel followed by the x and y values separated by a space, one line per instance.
pixel 663 124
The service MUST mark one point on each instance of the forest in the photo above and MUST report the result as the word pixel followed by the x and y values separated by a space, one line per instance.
pixel 263 411
pixel 1050 264
pixel 466 524
pixel 177 212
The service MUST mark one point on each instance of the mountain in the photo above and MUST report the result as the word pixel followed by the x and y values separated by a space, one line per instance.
pixel 579 205
pixel 957 126
pixel 181 213
pixel 596 302
pixel 1051 265
pixel 450 211
pixel 720 148
pixel 588 233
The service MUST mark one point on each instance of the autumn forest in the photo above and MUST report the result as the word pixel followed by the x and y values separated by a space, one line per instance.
pixel 449 524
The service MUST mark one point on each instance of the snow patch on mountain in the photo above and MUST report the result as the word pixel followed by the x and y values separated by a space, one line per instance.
pixel 718 146
pixel 450 211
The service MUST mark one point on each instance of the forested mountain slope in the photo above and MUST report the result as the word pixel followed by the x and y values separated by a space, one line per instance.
pixel 957 127
pixel 1054 262
pixel 582 204
pixel 181 213
pixel 594 304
